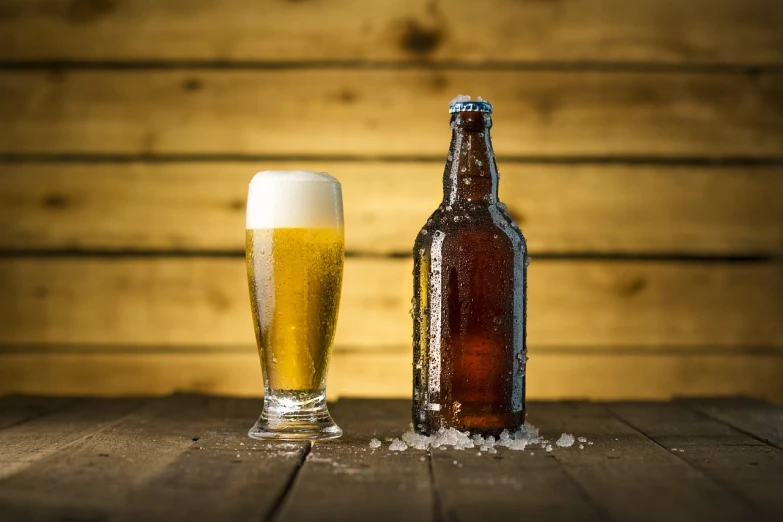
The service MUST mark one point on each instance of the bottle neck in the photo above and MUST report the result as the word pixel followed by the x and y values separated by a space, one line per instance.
pixel 471 173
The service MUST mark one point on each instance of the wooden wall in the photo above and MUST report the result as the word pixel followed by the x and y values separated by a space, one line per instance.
pixel 640 146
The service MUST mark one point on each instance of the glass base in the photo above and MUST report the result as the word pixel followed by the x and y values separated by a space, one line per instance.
pixel 295 415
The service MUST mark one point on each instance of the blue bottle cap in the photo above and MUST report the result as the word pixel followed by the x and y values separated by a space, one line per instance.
pixel 470 106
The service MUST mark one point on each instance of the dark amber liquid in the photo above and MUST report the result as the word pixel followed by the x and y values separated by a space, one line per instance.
pixel 469 303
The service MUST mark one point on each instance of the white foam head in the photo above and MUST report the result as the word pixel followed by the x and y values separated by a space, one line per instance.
pixel 294 199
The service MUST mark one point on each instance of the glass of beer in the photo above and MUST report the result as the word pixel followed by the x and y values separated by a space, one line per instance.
pixel 295 253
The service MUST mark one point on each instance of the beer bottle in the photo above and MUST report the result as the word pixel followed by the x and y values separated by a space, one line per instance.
pixel 469 305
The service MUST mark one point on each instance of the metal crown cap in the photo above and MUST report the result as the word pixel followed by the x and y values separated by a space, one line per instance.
pixel 470 106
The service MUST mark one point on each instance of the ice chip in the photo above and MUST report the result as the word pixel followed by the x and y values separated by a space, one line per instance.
pixel 375 443
pixel 459 99
pixel 398 445
pixel 516 445
pixel 416 441
pixel 582 439
pixel 566 440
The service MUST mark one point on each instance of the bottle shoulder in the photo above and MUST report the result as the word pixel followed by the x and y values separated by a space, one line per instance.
pixel 478 226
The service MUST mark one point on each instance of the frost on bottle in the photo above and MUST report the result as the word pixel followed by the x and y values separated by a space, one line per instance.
pixel 469 305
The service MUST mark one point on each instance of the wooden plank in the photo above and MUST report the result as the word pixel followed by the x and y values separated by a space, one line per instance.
pixel 387 373
pixel 253 476
pixel 475 485
pixel 201 206
pixel 627 474
pixel 142 450
pixel 402 30
pixel 17 409
pixel 388 112
pixel 756 418
pixel 25 444
pixel 750 469
pixel 203 302
pixel 347 480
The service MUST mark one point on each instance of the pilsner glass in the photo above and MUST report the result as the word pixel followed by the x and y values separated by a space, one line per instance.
pixel 295 252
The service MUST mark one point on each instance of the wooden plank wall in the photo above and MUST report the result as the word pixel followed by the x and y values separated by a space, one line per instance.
pixel 640 146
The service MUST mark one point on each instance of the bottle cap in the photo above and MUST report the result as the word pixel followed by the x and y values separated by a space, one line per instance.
pixel 470 106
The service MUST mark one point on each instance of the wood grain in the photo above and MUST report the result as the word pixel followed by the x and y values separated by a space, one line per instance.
pixel 253 477
pixel 475 485
pixel 345 480
pixel 758 419
pixel 387 112
pixel 387 373
pixel 749 468
pixel 27 443
pixel 141 448
pixel 562 208
pixel 17 409
pixel 204 302
pixel 629 476
pixel 598 30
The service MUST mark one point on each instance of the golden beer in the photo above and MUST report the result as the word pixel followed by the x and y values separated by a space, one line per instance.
pixel 295 253
pixel 295 275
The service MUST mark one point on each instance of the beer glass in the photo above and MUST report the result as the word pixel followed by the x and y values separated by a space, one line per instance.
pixel 295 251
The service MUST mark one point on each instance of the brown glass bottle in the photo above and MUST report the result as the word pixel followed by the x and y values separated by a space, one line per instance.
pixel 469 306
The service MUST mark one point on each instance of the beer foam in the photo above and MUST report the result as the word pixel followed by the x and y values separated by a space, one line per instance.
pixel 294 199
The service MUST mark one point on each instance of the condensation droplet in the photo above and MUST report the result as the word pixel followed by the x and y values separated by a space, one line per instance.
pixel 421 251
pixel 467 181
pixel 424 232
pixel 463 169
pixel 479 163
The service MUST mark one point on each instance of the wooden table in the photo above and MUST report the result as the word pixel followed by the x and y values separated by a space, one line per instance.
pixel 187 457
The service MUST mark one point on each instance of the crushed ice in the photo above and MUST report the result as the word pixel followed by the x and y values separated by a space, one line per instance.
pixel 526 436
pixel 460 98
